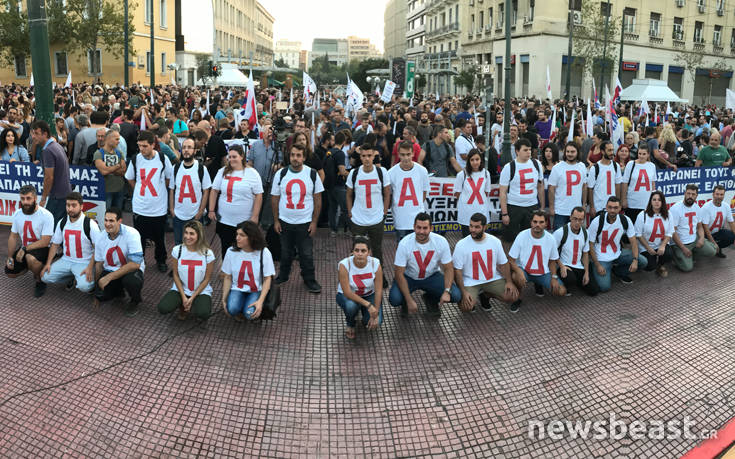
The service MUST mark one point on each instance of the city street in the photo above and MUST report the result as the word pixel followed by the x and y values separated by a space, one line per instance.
pixel 84 382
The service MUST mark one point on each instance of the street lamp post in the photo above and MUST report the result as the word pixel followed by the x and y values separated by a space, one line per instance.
pixel 38 25
pixel 152 62
pixel 506 156
pixel 127 51
pixel 604 45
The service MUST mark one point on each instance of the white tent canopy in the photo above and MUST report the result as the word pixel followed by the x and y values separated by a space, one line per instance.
pixel 230 76
pixel 651 91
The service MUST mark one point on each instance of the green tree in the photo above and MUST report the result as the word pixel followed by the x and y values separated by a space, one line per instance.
pixel 14 34
pixel 204 69
pixel 589 40
pixel 358 71
pixel 466 78
pixel 280 63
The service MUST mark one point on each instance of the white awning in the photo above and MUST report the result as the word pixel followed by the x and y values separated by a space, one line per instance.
pixel 230 76
pixel 651 91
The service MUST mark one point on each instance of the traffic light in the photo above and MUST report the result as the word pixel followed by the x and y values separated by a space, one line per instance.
pixel 215 70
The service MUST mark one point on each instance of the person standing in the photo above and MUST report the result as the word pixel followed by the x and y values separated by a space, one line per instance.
pixel 567 187
pixel 464 142
pixel 574 261
pixel 359 287
pixel 149 175
pixel 714 154
pixel 472 190
pixel 639 181
pixel 654 229
pixel 521 191
pixel 409 183
pixel 110 162
pixel 296 201
pixel 335 173
pixel 714 216
pixel 688 237
pixel 188 190
pixel 56 184
pixel 439 160
pixel 603 179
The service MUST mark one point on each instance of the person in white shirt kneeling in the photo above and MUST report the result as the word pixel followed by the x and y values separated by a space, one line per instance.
pixel 358 290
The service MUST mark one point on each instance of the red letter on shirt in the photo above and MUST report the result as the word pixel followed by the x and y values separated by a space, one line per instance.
pixel 145 182
pixel 289 194
pixel 186 190
pixel 574 178
pixel 643 181
pixel 368 191
pixel 29 236
pixel 405 195
pixel 609 182
pixel 478 263
pixel 121 261
pixel 575 249
pixel 246 267
pixel 536 259
pixel 717 224
pixel 78 242
pixel 609 240
pixel 358 280
pixel 230 184
pixel 690 216
pixel 476 190
pixel 658 230
pixel 525 181
pixel 191 265
pixel 423 263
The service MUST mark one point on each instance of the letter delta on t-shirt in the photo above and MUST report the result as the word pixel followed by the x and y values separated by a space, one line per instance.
pixel 479 261
pixel 653 229
pixel 237 193
pixel 367 202
pixel 422 260
pixel 362 280
pixel 569 179
pixel 188 190
pixel 575 246
pixel 244 267
pixel 522 190
pixel 296 204
pixel 685 221
pixel 77 248
pixel 192 269
pixel 31 228
pixel 115 253
pixel 473 191
pixel 150 198
pixel 608 247
pixel 716 217
pixel 641 185
pixel 533 255
pixel 407 189
pixel 604 183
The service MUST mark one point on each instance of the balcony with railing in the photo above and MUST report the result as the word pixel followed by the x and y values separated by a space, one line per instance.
pixel 416 31
pixel 654 36
pixel 415 50
pixel 449 29
pixel 416 11
pixel 678 38
pixel 699 43
pixel 717 46
pixel 630 32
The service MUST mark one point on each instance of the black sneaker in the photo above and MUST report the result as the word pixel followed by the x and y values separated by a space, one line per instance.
pixel 404 310
pixel 432 307
pixel 313 286
pixel 132 309
pixel 485 303
pixel 70 285
pixel 720 254
pixel 40 289
pixel 280 280
pixel 162 268
pixel 626 280
pixel 539 290
pixel 385 282
pixel 515 306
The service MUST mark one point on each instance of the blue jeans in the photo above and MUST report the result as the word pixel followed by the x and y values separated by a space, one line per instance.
pixel 544 280
pixel 63 271
pixel 400 234
pixel 238 302
pixel 351 309
pixel 432 285
pixel 621 268
pixel 178 230
pixel 559 221
pixel 57 207
pixel 115 199
pixel 337 207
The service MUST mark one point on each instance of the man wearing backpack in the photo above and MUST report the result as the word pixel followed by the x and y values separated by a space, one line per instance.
pixel 189 190
pixel 75 234
pixel 149 175
pixel 603 179
pixel 464 143
pixel 606 233
pixel 567 186
pixel 521 191
pixel 572 241
pixel 335 173
pixel 439 159
pixel 110 162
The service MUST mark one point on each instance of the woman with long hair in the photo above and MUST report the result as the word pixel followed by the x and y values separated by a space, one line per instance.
pixel 248 273
pixel 472 189
pixel 237 194
pixel 62 135
pixel 193 265
pixel 358 290
pixel 654 230
pixel 667 144
pixel 622 156
pixel 10 150
pixel 549 159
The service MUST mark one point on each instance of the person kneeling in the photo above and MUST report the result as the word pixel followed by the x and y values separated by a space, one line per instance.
pixel 357 289
pixel 250 263
pixel 192 269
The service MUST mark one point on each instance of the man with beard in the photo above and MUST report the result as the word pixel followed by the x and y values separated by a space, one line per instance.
pixel 76 235
pixel 424 129
pixel 189 190
pixel 423 261
pixel 29 239
pixel 689 240
pixel 481 269
pixel 567 186
pixel 603 179
pixel 714 216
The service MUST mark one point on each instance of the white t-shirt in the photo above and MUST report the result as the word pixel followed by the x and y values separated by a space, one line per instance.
pixel 715 217
pixel 685 221
pixel 533 255
pixel 150 197
pixel 297 206
pixel 77 248
pixel 575 246
pixel 641 185
pixel 367 202
pixel 473 193
pixel 114 254
pixel 237 194
pixel 244 267
pixel 479 261
pixel 522 190
pixel 408 189
pixel 608 247
pixel 604 182
pixel 653 229
pixel 462 146
pixel 569 179
pixel 32 227
pixel 188 190
pixel 362 280
pixel 422 260
pixel 192 269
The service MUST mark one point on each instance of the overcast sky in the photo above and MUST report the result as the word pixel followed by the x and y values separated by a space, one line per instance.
pixel 304 20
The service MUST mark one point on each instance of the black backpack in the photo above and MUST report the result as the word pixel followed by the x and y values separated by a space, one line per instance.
pixel 597 169
pixel 86 224
pixel 330 169
pixel 603 217
pixel 90 156
pixel 380 176
pixel 513 168
pixel 284 171
pixel 200 171
pixel 161 157
pixel 565 235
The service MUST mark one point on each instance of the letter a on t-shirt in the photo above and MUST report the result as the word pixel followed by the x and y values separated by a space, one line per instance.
pixel 408 193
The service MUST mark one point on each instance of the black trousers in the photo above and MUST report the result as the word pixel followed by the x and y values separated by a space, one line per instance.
pixel 226 235
pixel 576 275
pixel 152 229
pixel 296 238
pixel 654 261
pixel 132 283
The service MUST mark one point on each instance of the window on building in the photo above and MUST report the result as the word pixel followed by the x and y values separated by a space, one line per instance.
pixel 655 26
pixel 678 29
pixel 490 17
pixel 605 9
pixel 472 22
pixel 629 20
pixel 717 36
pixel 531 7
pixel 501 15
pixel 94 62
pixel 482 19
pixel 576 5
pixel 720 5
pixel 732 39
pixel 698 32
pixel 164 15
pixel 61 64
pixel 514 14
pixel 20 66
pixel 450 15
pixel 148 62
pixel 700 2
pixel 148 4
pixel 163 63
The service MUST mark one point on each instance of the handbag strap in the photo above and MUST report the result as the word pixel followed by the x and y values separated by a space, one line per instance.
pixel 261 268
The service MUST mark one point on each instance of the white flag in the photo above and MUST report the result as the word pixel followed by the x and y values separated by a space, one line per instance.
pixel 312 131
pixel 590 125
pixel 570 136
pixel 207 100
pixel 548 83
pixel 68 81
pixel 730 99
pixel 309 88
pixel 31 80
pixel 73 99
pixel 142 120
pixel 290 100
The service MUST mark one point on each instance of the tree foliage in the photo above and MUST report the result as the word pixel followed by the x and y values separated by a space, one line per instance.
pixel 589 41
pixel 691 61
pixel 420 82
pixel 466 78
pixel 14 32
pixel 325 73
pixel 204 62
